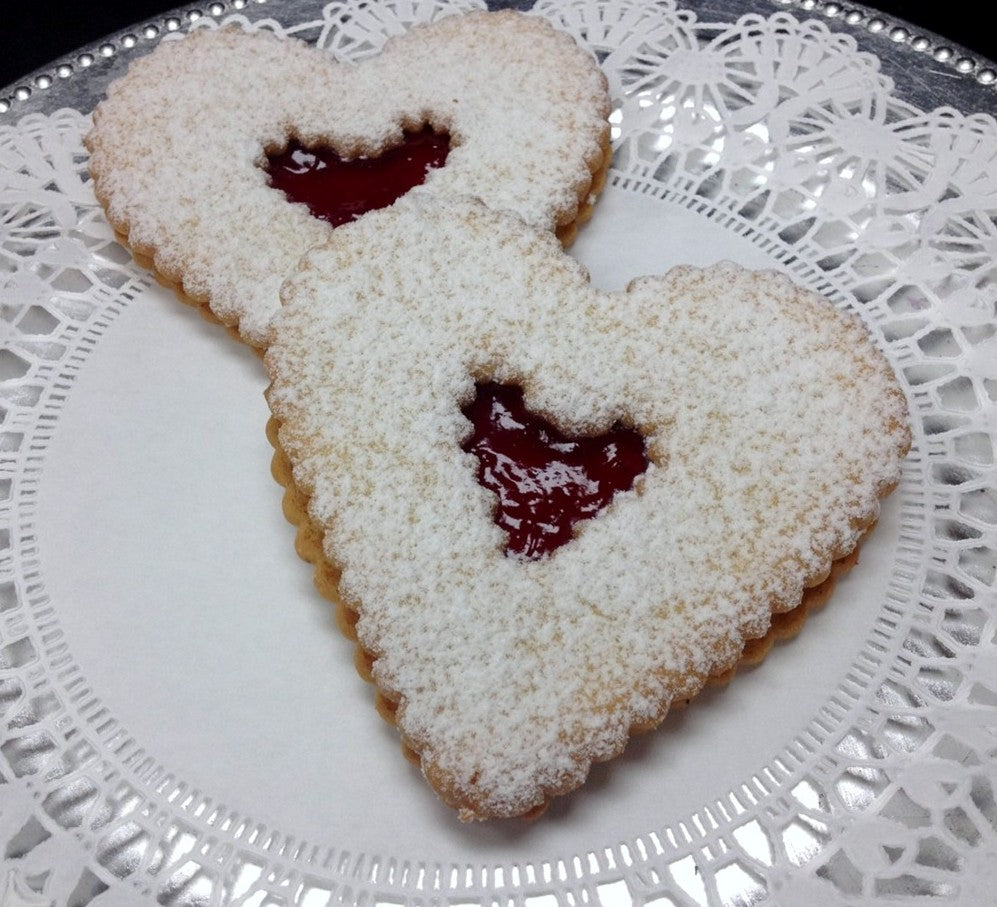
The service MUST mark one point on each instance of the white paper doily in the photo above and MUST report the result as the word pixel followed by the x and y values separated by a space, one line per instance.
pixel 180 722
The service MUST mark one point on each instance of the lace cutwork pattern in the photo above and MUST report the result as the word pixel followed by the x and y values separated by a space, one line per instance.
pixel 778 129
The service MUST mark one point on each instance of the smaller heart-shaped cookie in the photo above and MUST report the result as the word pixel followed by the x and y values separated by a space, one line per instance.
pixel 181 147
pixel 772 427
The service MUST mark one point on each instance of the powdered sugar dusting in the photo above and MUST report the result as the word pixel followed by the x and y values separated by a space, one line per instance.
pixel 178 146
pixel 773 427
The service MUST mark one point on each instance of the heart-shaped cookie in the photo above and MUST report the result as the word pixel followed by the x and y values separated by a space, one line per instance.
pixel 772 425
pixel 179 147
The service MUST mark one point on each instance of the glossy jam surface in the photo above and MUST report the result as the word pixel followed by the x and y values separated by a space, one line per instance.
pixel 340 191
pixel 545 481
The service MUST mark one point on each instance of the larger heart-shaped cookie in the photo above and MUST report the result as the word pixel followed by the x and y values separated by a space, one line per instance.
pixel 179 147
pixel 772 424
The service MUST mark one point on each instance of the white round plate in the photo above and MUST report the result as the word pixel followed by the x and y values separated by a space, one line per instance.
pixel 180 720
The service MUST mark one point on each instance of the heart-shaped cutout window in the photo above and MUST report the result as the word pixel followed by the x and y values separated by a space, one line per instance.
pixel 545 480
pixel 339 190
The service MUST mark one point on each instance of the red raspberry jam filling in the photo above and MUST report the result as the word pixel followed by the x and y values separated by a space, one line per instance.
pixel 340 191
pixel 545 480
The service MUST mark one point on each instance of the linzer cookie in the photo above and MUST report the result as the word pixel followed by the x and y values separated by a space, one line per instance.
pixel 713 442
pixel 224 156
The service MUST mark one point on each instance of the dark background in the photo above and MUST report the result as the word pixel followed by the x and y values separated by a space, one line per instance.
pixel 37 33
